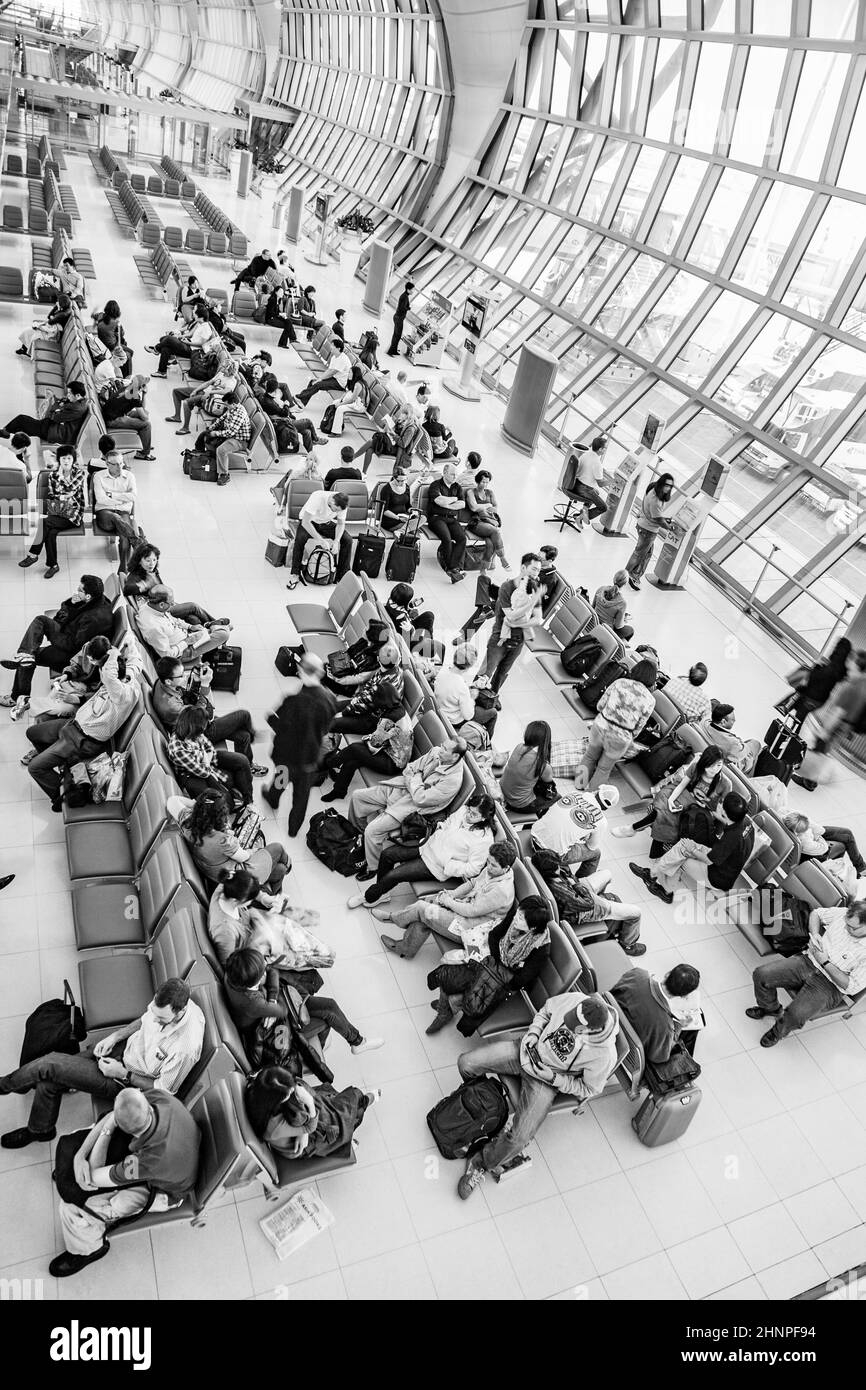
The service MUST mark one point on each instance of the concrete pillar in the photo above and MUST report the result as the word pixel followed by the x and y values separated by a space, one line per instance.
pixel 528 398
pixel 244 169
pixel 294 215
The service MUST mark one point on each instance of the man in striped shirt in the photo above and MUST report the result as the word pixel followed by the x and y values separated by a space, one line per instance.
pixel 230 435
pixel 157 1050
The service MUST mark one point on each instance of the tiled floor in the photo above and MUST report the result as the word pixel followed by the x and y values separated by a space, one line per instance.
pixel 764 1197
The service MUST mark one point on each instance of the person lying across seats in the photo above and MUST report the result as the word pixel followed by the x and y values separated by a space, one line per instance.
pixel 568 1049
pixel 199 333
pixel 718 865
pixel 336 378
pixel 61 424
pixel 824 842
pixel 202 395
pixel 257 267
pixel 300 1121
pixel 387 749
pixel 158 1172
pixel 167 635
pixel 426 785
pixel 665 1011
pixel 832 966
pixel 516 952
pixel 51 640
pixel 254 994
pixel 457 848
pixel 702 783
pixel 158 1049
pixel 199 765
pixel 479 900
pixel 205 824
pixel 581 901
pixel 65 501
pixel 61 742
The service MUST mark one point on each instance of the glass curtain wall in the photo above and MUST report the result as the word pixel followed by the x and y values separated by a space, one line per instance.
pixel 673 201
pixel 369 79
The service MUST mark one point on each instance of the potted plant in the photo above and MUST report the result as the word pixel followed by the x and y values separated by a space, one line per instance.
pixel 355 227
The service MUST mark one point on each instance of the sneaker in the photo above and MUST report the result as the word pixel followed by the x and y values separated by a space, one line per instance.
pixel 472 1178
pixel 356 900
pixel 158 376
pixel 28 758
pixel 22 705
pixel 456 575
pixel 634 584
pixel 382 914
pixel 147 458
pixel 27 561
pixel 367 1045
pixel 22 352
pixel 638 949
pixel 268 795
pixel 7 701
pixel 51 571
pixel 624 832
pixel 259 770
pixel 148 347
pixel 374 1096
pixel 183 431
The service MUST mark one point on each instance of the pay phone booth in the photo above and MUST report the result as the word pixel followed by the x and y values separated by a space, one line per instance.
pixel 626 480
pixel 685 521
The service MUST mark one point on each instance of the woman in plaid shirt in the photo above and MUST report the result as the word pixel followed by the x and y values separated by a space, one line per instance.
pixel 64 506
pixel 200 765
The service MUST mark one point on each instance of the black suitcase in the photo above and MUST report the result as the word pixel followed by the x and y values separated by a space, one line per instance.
pixel 369 553
pixel 783 751
pixel 199 466
pixel 286 661
pixel 226 663
pixel 404 557
pixel 661 1119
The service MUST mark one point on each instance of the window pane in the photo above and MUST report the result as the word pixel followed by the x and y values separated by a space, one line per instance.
pixel 661 400
pixel 762 364
pixel 666 80
pixel 667 314
pixel 709 96
pixel 816 403
pixel 712 337
pixel 720 15
pixel 637 281
pixel 675 204
pixel 853 172
pixel 814 115
pixel 721 217
pixel 827 259
pixel 590 280
pixel 771 16
pixel 600 395
pixel 777 223
pixel 836 21
pixel 640 182
pixel 758 104
pixel 687 453
pixel 605 173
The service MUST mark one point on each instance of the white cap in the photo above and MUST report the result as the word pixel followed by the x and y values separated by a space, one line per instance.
pixel 608 795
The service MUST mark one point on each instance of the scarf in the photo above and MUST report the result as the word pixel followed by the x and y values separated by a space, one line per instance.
pixel 518 942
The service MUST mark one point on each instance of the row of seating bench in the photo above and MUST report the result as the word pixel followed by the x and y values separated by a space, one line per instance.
pixel 162 188
pixel 156 265
pixel 197 242
pixel 176 171
pixel 126 207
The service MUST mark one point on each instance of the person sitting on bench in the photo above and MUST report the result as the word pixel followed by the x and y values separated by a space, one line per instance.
pixel 323 520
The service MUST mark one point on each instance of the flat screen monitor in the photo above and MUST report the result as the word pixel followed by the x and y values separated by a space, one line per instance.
pixel 474 311
pixel 322 206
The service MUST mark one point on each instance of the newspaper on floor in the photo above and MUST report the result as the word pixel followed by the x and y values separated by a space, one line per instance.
pixel 301 1218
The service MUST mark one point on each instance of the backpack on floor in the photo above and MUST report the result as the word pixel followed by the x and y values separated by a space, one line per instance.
pixel 580 656
pixel 318 565
pixel 56 1026
pixel 332 420
pixel 462 1123
pixel 335 841
pixel 226 665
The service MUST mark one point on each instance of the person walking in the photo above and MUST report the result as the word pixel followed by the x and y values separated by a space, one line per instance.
pixel 652 514
pixel 400 318
pixel 506 642
pixel 299 726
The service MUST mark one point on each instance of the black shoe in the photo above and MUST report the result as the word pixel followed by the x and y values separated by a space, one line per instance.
pixel 64 1265
pixel 638 949
pixel 805 782
pixel 10 665
pixel 22 352
pixel 20 1138
pixel 641 873
pixel 658 892
pixel 27 561
pixel 333 796
pixel 365 874
pixel 755 1012
pixel 770 1038
pixel 269 795
pixel 4 882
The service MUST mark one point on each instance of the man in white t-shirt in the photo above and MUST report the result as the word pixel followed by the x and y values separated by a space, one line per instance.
pixel 323 520
pixel 335 379
pixel 200 334
pixel 454 700
pixel 570 829
pixel 588 476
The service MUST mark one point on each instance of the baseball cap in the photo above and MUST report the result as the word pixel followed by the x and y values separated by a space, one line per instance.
pixel 607 795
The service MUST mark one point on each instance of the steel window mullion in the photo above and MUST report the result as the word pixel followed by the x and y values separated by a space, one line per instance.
pixel 797 247
pixel 695 217
pixel 814 569
pixel 766 509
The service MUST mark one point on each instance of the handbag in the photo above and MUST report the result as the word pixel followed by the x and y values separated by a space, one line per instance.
pixel 67 1185
pixel 413 831
pixel 61 506
pixel 58 1025
pixel 247 827
pixel 676 1074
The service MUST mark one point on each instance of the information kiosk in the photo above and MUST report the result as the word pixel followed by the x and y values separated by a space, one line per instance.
pixel 685 523
pixel 463 385
pixel 626 480
pixel 321 212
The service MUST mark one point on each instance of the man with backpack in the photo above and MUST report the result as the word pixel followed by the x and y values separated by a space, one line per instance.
pixel 299 725
pixel 623 710
pixel 323 520
pixel 568 1049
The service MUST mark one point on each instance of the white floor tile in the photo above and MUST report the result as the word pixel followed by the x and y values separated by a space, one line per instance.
pixel 544 1247
pixel 766 1234
pixel 214 1267
pixel 611 1223
pixel 370 1213
pixel 822 1212
pixel 690 1215
pixel 708 1263
pixel 653 1279
pixel 399 1276
pixel 471 1264
pixel 791 1277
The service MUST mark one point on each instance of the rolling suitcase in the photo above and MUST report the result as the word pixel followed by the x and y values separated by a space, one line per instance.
pixel 286 660
pixel 661 1119
pixel 404 556
pixel 783 751
pixel 369 553
pixel 226 663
